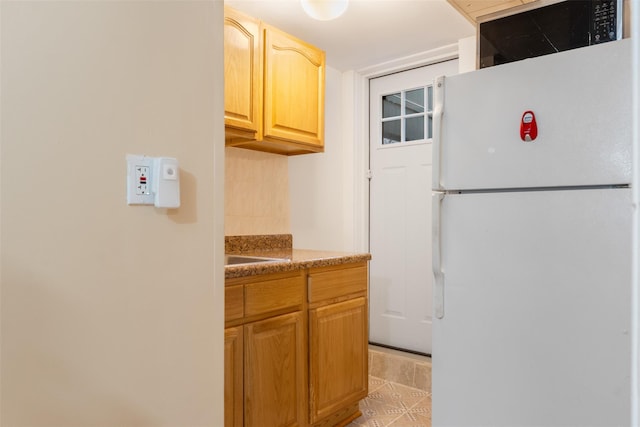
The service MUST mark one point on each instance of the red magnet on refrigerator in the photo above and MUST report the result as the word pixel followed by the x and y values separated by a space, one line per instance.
pixel 528 126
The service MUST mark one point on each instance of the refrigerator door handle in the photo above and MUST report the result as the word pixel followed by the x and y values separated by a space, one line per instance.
pixel 438 111
pixel 438 274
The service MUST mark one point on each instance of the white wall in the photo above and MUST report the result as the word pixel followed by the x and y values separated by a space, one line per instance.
pixel 319 183
pixel 467 50
pixel 329 191
pixel 111 315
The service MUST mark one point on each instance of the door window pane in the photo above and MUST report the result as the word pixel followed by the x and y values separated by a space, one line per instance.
pixel 391 132
pixel 391 105
pixel 414 102
pixel 414 128
pixel 407 116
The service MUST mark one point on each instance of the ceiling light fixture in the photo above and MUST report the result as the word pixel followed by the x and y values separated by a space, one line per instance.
pixel 324 10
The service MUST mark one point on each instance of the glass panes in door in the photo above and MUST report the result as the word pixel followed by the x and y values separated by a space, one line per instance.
pixel 407 116
pixel 391 113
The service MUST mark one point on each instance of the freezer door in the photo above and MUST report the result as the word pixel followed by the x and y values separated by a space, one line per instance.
pixel 536 310
pixel 581 100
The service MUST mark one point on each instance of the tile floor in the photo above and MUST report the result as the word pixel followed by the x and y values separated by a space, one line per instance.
pixel 399 391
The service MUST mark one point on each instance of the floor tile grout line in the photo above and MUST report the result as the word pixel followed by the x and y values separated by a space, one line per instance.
pixel 406 401
pixel 415 366
pixel 406 409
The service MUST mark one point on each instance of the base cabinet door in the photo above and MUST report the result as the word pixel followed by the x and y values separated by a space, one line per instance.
pixel 233 373
pixel 275 381
pixel 338 356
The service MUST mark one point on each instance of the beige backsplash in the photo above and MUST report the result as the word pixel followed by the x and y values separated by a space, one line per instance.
pixel 256 193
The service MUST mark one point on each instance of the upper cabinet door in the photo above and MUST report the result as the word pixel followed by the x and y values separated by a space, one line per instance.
pixel 242 76
pixel 293 90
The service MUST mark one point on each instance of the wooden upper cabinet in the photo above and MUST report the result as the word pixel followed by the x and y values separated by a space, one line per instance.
pixel 293 90
pixel 274 88
pixel 242 76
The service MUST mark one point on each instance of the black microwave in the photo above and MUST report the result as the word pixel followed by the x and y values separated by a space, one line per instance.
pixel 548 28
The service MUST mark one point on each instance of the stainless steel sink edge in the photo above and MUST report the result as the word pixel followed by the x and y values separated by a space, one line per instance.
pixel 230 259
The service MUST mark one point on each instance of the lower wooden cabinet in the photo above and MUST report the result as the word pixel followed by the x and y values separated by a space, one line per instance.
pixel 274 364
pixel 338 352
pixel 264 378
pixel 296 347
pixel 233 377
pixel 338 343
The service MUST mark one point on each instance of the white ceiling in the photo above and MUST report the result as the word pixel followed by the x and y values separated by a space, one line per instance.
pixel 370 32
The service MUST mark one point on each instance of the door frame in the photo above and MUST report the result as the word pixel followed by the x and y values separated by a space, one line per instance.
pixel 356 89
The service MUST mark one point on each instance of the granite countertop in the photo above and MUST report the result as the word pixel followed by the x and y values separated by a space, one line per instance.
pixel 280 246
pixel 294 259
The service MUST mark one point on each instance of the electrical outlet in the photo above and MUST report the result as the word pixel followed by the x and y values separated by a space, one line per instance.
pixel 142 180
pixel 139 171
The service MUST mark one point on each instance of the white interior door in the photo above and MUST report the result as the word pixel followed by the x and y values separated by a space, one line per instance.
pixel 400 207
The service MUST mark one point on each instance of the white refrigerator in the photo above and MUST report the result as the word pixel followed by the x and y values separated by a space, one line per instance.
pixel 532 242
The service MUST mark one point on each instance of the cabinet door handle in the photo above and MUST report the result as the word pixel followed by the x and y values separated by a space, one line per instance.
pixel 308 288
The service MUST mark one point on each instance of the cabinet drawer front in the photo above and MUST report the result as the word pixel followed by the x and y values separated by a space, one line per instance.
pixel 273 295
pixel 233 307
pixel 335 283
